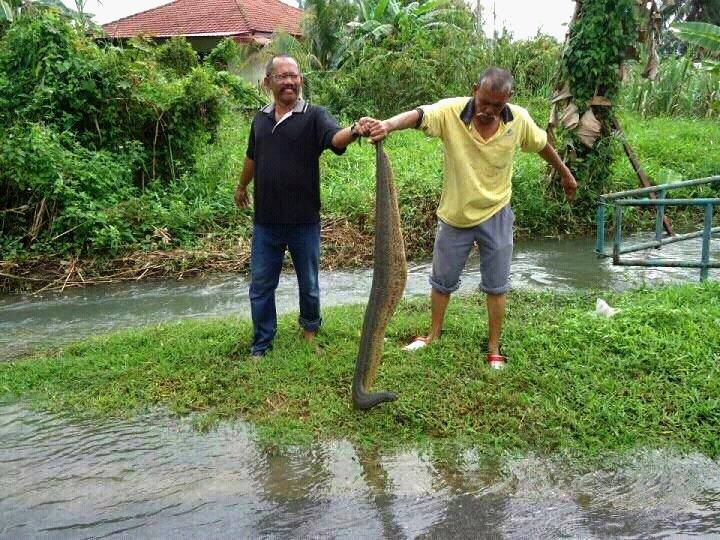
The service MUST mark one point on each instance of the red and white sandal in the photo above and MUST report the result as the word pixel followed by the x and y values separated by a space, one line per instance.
pixel 496 361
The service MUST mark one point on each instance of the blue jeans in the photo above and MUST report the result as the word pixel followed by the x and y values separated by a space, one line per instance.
pixel 269 243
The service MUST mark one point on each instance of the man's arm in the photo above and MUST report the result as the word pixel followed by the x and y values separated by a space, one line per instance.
pixel 379 129
pixel 241 195
pixel 347 135
pixel 566 178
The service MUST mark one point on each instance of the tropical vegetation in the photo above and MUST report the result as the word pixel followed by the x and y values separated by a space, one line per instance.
pixel 94 135
pixel 109 151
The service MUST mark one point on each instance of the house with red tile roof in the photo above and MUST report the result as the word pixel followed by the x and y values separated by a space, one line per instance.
pixel 206 22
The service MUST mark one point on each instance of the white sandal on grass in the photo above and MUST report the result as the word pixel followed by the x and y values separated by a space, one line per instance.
pixel 417 343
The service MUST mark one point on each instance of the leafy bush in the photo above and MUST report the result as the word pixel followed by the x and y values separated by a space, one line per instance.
pixel 177 54
pixel 532 62
pixel 224 54
pixel 84 127
pixel 64 190
pixel 395 75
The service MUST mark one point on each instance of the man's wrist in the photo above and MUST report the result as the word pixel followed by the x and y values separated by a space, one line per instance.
pixel 354 131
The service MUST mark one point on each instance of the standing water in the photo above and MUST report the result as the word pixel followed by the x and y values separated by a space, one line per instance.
pixel 30 322
pixel 154 476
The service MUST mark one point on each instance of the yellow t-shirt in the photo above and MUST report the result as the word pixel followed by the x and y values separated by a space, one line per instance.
pixel 477 174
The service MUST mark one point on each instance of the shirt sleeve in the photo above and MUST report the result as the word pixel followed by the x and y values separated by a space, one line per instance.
pixel 433 118
pixel 532 138
pixel 250 152
pixel 327 127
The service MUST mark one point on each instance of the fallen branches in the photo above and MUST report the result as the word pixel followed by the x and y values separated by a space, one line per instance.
pixel 344 244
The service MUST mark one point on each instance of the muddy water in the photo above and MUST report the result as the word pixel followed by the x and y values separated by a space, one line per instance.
pixel 156 477
pixel 32 322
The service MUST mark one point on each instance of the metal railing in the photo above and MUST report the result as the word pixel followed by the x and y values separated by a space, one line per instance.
pixel 623 199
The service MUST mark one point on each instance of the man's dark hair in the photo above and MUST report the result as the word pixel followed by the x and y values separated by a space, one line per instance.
pixel 497 80
pixel 269 65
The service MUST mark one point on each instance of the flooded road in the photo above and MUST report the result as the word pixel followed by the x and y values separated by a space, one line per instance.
pixel 157 477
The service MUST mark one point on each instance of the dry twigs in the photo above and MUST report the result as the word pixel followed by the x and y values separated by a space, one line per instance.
pixel 43 276
pixel 344 245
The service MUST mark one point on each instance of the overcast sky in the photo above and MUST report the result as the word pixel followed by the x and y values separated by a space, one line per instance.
pixel 522 17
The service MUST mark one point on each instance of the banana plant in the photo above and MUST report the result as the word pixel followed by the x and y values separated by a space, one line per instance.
pixel 383 18
pixel 707 11
pixel 703 35
pixel 12 9
pixel 9 10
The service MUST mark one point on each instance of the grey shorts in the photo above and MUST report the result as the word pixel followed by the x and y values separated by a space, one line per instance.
pixel 494 238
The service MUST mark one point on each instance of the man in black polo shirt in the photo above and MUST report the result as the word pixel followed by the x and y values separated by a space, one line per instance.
pixel 283 156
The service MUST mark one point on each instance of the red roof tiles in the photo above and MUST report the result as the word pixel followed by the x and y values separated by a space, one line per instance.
pixel 210 17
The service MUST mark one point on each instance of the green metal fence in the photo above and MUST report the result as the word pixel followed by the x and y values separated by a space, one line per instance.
pixel 624 199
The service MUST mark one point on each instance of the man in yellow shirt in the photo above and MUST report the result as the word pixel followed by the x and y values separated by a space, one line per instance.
pixel 479 135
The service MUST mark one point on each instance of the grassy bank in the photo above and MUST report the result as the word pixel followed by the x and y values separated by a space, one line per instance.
pixel 195 227
pixel 650 376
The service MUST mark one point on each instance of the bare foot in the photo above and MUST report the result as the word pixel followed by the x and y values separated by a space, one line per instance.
pixel 309 337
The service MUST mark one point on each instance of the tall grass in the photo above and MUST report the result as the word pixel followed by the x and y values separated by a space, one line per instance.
pixel 668 148
pixel 681 89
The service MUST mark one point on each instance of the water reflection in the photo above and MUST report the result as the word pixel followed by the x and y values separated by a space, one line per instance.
pixel 157 477
pixel 28 322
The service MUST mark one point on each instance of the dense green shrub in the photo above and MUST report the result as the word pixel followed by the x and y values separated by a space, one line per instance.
pixel 177 54
pixel 49 74
pixel 393 76
pixel 86 126
pixel 63 190
pixel 224 54
pixel 532 62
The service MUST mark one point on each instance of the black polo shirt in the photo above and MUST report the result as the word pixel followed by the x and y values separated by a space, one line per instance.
pixel 287 162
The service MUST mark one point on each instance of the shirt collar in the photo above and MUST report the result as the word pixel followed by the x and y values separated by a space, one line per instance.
pixel 469 111
pixel 300 107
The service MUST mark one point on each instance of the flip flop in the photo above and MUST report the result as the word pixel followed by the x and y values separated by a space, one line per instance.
pixel 417 343
pixel 496 361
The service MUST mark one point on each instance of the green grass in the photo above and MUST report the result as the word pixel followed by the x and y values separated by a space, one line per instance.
pixel 197 209
pixel 668 148
pixel 577 383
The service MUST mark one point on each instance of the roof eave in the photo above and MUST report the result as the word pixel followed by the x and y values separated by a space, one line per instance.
pixel 208 34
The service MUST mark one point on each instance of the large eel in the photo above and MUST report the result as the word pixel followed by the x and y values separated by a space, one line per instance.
pixel 388 285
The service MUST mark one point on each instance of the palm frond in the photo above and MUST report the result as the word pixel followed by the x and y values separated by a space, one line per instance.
pixel 432 5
